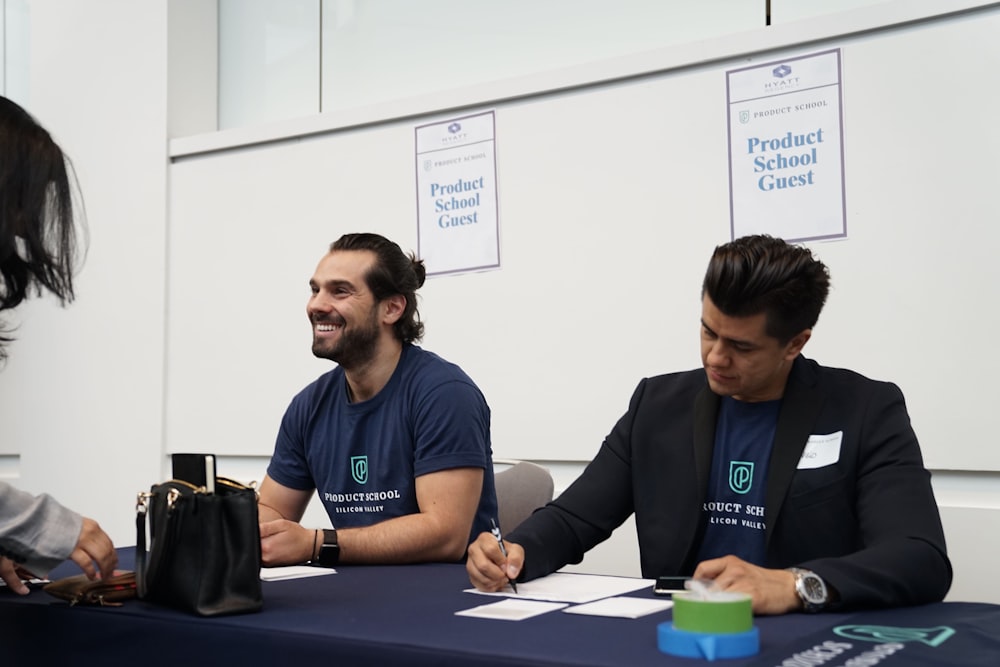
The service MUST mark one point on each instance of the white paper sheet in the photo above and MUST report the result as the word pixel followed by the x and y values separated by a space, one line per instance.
pixel 568 587
pixel 293 572
pixel 511 610
pixel 621 607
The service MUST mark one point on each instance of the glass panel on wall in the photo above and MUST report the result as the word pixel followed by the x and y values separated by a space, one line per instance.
pixel 376 51
pixel 382 50
pixel 269 58
pixel 3 46
pixel 786 11
pixel 14 32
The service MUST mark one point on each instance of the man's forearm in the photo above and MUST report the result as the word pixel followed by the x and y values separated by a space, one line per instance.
pixel 404 539
pixel 267 513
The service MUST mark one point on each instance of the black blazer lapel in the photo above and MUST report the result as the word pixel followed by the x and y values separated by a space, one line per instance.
pixel 801 404
pixel 706 413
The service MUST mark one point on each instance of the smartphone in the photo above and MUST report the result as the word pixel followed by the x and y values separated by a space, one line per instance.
pixel 669 585
pixel 197 469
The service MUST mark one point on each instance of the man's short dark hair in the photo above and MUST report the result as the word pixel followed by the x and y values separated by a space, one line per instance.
pixel 393 273
pixel 762 274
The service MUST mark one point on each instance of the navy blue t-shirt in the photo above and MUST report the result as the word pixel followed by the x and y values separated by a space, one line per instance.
pixel 734 506
pixel 362 458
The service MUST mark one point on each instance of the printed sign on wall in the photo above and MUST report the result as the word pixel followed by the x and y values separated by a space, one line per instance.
pixel 458 227
pixel 786 148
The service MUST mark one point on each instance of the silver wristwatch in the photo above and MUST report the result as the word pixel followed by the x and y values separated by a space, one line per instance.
pixel 811 589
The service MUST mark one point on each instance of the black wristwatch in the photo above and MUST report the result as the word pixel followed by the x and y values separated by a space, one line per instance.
pixel 811 589
pixel 329 551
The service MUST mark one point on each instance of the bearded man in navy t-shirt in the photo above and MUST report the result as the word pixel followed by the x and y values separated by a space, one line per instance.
pixel 395 441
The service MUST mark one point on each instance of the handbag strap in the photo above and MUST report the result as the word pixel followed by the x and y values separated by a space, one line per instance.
pixel 141 507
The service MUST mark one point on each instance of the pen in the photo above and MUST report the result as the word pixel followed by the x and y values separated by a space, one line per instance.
pixel 503 550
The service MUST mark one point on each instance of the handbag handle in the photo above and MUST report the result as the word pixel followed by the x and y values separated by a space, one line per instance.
pixel 142 501
pixel 141 507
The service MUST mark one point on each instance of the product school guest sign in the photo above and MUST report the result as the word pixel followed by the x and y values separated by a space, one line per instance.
pixel 457 224
pixel 786 149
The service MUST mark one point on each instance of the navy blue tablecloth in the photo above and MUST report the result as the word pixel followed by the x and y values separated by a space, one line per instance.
pixel 405 615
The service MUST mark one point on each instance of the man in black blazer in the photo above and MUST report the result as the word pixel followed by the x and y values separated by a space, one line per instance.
pixel 764 472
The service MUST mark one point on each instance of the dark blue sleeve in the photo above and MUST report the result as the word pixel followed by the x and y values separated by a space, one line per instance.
pixel 289 466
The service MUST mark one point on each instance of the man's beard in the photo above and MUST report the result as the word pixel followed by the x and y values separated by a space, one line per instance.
pixel 355 346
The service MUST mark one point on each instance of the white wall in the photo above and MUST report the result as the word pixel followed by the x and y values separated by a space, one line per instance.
pixel 81 396
pixel 331 174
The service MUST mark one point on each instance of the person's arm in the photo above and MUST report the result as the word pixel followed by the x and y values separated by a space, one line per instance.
pixel 280 507
pixel 489 570
pixel 438 532
pixel 773 591
pixel 283 541
pixel 561 533
pixel 37 533
pixel 901 557
pixel 277 501
pixel 447 499
pixel 588 511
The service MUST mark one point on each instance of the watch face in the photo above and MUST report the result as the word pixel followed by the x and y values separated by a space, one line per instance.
pixel 329 555
pixel 813 589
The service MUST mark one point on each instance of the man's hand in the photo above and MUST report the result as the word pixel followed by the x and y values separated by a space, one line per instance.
pixel 285 542
pixel 773 591
pixel 488 569
pixel 94 551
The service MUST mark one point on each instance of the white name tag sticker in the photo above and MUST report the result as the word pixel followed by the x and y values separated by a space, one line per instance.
pixel 821 450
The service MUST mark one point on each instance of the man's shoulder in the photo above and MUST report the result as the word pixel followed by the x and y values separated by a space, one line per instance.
pixel 673 387
pixel 842 385
pixel 426 367
pixel 809 371
pixel 681 380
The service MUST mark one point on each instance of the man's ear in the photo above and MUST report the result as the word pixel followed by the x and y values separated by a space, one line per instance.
pixel 394 306
pixel 796 344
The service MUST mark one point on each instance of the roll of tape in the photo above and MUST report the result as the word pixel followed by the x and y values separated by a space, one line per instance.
pixel 724 613
pixel 704 645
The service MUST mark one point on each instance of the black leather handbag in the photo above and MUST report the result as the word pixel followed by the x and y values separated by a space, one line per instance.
pixel 204 548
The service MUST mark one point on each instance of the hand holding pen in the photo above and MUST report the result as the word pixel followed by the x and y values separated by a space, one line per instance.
pixel 496 533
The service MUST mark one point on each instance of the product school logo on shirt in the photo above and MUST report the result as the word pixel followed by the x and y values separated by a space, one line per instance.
pixel 359 469
pixel 740 476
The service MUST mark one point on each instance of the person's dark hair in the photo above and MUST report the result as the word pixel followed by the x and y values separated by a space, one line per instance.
pixel 392 273
pixel 762 274
pixel 37 233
